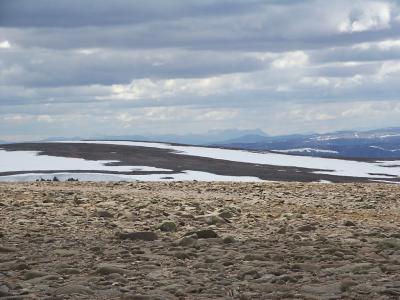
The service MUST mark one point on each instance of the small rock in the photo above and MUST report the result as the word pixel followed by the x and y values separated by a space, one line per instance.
pixel 136 297
pixel 103 214
pixel 4 249
pixel 213 220
pixel 105 269
pixel 307 227
pixel 253 257
pixel 168 226
pixel 349 223
pixel 204 234
pixel 4 291
pixel 77 201
pixel 183 255
pixel 73 289
pixel 346 284
pixel 282 230
pixel 389 244
pixel 21 266
pixel 251 274
pixel 34 274
pixel 188 241
pixel 323 290
pixel 228 239
pixel 69 271
pixel 139 235
pixel 229 212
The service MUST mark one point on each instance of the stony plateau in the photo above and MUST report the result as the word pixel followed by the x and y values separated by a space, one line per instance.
pixel 192 240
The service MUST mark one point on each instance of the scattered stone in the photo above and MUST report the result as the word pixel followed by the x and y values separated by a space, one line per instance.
pixel 248 275
pixel 4 291
pixel 253 257
pixel 214 220
pixel 326 291
pixel 103 214
pixel 69 271
pixel 4 249
pixel 188 241
pixel 282 230
pixel 34 274
pixel 229 212
pixel 307 227
pixel 137 297
pixel 346 284
pixel 204 234
pixel 139 235
pixel 106 269
pixel 349 223
pixel 73 289
pixel 168 226
pixel 389 244
pixel 65 251
pixel 228 239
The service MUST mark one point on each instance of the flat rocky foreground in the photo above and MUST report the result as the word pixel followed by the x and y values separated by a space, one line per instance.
pixel 199 241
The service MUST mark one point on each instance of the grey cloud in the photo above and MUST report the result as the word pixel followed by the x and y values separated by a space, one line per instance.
pixel 208 25
pixel 59 60
pixel 81 13
pixel 39 67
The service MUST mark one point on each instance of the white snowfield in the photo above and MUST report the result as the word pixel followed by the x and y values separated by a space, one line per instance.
pixel 329 166
pixel 184 176
pixel 307 150
pixel 16 161
pixel 28 161
pixel 25 161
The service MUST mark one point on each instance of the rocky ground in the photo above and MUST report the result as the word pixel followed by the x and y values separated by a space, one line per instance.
pixel 199 241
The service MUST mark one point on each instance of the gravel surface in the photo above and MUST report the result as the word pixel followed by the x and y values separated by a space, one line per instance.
pixel 191 240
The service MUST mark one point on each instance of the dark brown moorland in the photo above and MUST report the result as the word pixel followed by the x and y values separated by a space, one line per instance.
pixel 167 159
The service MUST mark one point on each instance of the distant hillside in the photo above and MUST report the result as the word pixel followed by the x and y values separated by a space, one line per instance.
pixel 376 144
pixel 210 137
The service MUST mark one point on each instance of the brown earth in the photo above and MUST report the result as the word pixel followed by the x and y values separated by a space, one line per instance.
pixel 218 241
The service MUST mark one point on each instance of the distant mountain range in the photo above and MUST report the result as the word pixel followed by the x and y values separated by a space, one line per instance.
pixel 213 136
pixel 377 144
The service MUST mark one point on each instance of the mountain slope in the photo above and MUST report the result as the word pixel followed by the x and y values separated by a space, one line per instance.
pixel 374 144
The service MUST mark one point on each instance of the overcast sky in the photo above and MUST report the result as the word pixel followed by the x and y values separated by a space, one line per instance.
pixel 101 67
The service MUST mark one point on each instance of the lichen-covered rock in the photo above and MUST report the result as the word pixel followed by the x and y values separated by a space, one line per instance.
pixel 168 226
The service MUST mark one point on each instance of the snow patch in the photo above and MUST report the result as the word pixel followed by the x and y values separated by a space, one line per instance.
pixel 328 166
pixel 17 161
pixel 184 176
pixel 383 149
pixel 307 150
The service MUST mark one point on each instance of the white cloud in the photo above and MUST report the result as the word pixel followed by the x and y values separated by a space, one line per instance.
pixel 367 15
pixel 388 68
pixel 217 115
pixel 294 59
pixel 157 89
pixel 381 45
pixel 45 119
pixel 5 45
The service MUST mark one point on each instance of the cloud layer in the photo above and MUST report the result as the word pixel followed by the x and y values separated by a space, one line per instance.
pixel 120 67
